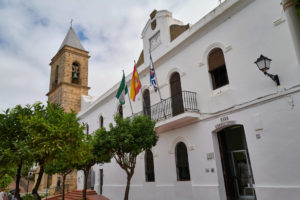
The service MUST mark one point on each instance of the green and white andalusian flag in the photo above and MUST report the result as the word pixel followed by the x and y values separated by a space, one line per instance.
pixel 122 91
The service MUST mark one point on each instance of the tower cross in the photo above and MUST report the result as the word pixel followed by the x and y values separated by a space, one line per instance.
pixel 71 22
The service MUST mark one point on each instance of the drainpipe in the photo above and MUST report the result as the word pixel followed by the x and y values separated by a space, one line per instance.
pixel 293 23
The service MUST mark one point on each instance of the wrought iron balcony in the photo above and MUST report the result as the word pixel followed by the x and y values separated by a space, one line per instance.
pixel 183 102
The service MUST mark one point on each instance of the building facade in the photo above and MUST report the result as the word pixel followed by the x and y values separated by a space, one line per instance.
pixel 226 131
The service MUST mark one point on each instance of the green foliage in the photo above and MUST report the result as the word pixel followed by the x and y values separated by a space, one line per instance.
pixel 14 143
pixel 102 146
pixel 55 134
pixel 14 137
pixel 130 136
pixel 28 197
pixel 298 7
pixel 87 158
pixel 7 176
pixel 53 131
pixel 6 180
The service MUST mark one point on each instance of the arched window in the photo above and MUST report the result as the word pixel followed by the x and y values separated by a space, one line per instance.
pixel 182 162
pixel 75 72
pixel 101 121
pixel 87 128
pixel 176 94
pixel 120 110
pixel 217 68
pixel 146 103
pixel 149 166
pixel 56 75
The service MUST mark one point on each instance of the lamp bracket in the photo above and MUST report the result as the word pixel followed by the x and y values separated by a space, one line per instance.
pixel 275 77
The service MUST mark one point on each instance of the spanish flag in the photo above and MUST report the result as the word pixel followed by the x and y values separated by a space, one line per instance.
pixel 135 84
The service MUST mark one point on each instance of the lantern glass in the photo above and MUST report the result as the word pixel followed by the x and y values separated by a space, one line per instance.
pixel 267 63
pixel 263 63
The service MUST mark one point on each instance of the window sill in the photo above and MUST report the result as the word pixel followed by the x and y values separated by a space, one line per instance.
pixel 220 90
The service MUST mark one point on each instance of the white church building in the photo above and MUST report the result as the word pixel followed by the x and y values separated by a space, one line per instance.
pixel 227 129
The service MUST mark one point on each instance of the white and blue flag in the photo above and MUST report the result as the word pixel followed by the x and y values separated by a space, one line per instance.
pixel 152 75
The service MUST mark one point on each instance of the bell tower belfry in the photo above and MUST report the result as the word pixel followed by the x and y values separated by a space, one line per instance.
pixel 69 74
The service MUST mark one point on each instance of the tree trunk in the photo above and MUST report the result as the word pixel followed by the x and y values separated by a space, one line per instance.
pixel 86 175
pixel 36 187
pixel 18 177
pixel 63 189
pixel 129 176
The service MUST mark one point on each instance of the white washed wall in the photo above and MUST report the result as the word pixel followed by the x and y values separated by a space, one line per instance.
pixel 244 31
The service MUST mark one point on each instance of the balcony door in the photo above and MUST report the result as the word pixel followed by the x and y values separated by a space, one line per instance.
pixel 236 164
pixel 146 103
pixel 176 94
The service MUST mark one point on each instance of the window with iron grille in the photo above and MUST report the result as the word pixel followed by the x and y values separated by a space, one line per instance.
pixel 217 68
pixel 182 162
pixel 149 166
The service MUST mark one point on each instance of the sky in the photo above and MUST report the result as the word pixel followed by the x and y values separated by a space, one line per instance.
pixel 32 31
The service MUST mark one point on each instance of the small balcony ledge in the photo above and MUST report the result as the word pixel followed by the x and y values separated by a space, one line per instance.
pixel 178 121
pixel 173 112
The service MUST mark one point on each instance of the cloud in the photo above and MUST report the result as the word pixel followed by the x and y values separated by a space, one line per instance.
pixel 31 33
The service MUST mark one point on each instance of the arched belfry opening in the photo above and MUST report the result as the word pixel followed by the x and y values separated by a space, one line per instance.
pixel 75 72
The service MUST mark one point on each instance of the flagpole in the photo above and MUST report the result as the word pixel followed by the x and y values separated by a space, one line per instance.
pixel 128 94
pixel 144 105
pixel 155 76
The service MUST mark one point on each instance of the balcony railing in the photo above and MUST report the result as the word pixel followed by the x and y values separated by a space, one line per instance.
pixel 183 102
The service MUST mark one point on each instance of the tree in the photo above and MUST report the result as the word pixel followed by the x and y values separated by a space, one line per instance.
pixel 126 140
pixel 66 160
pixel 51 129
pixel 7 176
pixel 63 164
pixel 90 155
pixel 14 140
pixel 298 7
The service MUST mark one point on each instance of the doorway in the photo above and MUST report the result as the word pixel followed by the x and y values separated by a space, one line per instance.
pixel 236 164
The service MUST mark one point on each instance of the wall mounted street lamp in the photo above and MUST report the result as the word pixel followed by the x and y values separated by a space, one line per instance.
pixel 263 64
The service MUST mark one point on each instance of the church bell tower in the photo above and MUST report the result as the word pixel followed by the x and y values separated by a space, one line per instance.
pixel 69 74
